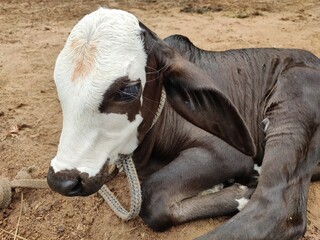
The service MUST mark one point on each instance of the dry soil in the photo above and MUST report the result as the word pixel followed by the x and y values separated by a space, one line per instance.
pixel 32 32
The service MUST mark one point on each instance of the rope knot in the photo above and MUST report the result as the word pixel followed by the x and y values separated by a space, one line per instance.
pixel 22 180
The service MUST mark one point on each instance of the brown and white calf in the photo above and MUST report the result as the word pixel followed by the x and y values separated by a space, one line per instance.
pixel 224 112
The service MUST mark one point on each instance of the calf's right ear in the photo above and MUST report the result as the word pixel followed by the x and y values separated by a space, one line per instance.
pixel 194 96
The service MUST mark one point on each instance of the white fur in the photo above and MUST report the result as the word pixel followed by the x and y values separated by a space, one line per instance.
pixel 109 45
pixel 257 168
pixel 242 202
pixel 212 190
pixel 243 187
pixel 266 123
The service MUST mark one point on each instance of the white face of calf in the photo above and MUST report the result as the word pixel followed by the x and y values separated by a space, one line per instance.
pixel 100 75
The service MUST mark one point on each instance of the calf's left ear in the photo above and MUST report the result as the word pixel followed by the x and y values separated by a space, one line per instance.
pixel 193 95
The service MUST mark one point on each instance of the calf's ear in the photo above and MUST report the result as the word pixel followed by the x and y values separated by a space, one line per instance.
pixel 192 93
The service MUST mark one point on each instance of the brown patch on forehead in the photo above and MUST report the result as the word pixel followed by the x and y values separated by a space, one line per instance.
pixel 111 105
pixel 83 57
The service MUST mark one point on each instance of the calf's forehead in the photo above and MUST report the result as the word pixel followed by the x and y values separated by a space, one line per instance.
pixel 103 46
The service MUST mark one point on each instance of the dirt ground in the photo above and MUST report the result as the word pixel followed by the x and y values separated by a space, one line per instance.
pixel 32 32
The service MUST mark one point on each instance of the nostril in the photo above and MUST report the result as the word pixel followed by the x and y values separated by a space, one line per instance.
pixel 68 184
pixel 77 187
pixel 71 187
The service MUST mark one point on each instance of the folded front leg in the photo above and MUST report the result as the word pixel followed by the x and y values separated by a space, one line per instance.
pixel 227 201
pixel 173 194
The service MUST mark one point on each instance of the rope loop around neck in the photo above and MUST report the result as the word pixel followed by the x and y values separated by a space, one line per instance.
pixel 127 163
pixel 160 108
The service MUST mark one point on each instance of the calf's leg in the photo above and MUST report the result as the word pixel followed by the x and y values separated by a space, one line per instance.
pixel 171 195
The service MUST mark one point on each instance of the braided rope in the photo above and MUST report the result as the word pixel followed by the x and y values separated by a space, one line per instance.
pixel 160 108
pixel 135 191
pixel 29 183
pixel 6 186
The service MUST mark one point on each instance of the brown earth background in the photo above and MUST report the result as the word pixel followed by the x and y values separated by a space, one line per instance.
pixel 31 35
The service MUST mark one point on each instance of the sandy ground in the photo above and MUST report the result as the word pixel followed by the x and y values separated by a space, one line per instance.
pixel 31 35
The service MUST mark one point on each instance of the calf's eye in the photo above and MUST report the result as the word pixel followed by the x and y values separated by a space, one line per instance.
pixel 128 93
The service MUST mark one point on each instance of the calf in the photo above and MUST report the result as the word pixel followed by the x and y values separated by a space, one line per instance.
pixel 224 112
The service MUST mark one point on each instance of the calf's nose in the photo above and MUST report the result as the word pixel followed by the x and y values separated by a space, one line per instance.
pixel 67 183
